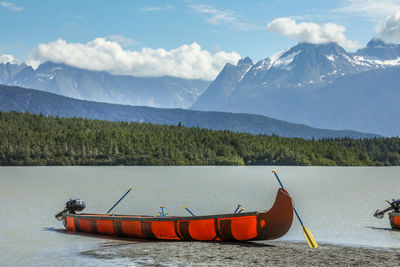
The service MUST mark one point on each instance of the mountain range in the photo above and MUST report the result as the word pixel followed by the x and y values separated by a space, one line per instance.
pixel 14 98
pixel 168 92
pixel 319 85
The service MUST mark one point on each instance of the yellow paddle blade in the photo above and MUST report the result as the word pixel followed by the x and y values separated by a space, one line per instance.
pixel 309 237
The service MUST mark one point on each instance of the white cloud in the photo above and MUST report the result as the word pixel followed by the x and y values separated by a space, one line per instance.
pixel 218 17
pixel 186 61
pixel 389 30
pixel 122 40
pixel 372 9
pixel 7 58
pixel 156 8
pixel 312 32
pixel 10 6
pixel 386 13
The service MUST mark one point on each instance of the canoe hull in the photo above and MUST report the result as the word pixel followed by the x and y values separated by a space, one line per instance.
pixel 267 225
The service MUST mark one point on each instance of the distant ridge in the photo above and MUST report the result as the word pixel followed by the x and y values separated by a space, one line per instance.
pixel 14 98
pixel 62 79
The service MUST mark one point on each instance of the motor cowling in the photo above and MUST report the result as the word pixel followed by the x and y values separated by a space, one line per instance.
pixel 75 205
pixel 71 207
pixel 395 204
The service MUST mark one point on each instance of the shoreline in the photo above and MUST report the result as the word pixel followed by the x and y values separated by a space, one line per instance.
pixel 265 253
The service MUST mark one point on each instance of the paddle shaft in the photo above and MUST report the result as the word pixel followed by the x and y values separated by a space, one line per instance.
pixel 238 206
pixel 295 211
pixel 189 211
pixel 119 201
pixel 162 211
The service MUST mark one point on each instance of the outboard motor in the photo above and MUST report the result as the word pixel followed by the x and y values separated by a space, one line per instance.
pixel 71 207
pixel 394 205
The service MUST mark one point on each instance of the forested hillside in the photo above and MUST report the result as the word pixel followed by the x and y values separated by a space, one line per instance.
pixel 13 98
pixel 28 139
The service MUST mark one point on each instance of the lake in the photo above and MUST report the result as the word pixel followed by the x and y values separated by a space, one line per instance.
pixel 335 203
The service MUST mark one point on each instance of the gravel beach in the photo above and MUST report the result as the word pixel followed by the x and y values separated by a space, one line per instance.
pixel 242 254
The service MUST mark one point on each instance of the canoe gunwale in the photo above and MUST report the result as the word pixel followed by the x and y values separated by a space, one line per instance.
pixel 153 218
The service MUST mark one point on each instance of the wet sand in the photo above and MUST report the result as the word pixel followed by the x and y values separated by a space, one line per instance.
pixel 242 254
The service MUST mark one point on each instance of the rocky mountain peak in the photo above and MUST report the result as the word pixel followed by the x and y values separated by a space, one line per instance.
pixel 245 61
pixel 374 42
pixel 223 85
pixel 378 49
pixel 310 49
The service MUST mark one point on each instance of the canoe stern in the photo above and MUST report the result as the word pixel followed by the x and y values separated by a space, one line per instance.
pixel 277 221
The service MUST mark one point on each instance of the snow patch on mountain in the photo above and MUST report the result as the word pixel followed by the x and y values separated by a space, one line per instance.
pixel 245 72
pixel 283 62
pixel 277 60
pixel 330 57
pixel 275 57
pixel 378 63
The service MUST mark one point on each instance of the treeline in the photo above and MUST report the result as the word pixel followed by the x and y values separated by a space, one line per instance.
pixel 28 139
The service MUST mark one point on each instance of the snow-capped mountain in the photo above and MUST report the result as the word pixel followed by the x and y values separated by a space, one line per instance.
pixel 291 85
pixel 303 65
pixel 168 92
pixel 307 65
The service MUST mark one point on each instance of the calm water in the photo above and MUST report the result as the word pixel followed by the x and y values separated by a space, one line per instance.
pixel 336 204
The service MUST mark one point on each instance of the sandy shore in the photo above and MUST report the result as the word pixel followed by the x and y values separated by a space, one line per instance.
pixel 242 254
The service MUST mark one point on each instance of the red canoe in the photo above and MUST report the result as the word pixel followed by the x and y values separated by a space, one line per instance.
pixel 257 225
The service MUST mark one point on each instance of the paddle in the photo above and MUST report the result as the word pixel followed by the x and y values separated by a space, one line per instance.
pixel 119 201
pixel 307 233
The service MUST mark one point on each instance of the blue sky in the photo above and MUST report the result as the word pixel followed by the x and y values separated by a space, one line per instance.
pixel 216 26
